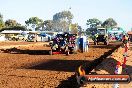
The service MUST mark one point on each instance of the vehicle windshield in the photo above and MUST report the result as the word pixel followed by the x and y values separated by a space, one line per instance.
pixel 101 31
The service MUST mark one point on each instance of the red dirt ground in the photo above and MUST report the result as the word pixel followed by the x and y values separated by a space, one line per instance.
pixel 31 66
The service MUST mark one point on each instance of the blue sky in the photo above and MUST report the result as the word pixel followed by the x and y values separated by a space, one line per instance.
pixel 21 10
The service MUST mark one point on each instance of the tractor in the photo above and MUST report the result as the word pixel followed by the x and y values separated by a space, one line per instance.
pixel 101 36
pixel 63 43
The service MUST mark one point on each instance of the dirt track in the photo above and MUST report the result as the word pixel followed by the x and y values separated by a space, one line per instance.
pixel 30 66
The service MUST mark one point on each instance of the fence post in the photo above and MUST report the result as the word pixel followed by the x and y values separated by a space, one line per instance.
pixel 125 54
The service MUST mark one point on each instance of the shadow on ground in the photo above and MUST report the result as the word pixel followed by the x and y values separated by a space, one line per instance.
pixel 103 46
pixel 30 52
pixel 59 65
pixel 109 46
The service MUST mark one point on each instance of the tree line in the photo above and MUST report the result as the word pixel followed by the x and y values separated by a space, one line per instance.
pixel 61 21
pixel 94 23
pixel 10 24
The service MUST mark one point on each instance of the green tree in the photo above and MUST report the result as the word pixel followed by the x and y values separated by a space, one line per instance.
pixel 92 25
pixel 79 28
pixel 22 28
pixel 1 21
pixel 64 15
pixel 11 23
pixel 109 23
pixel 48 25
pixel 62 20
pixel 74 28
pixel 34 22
